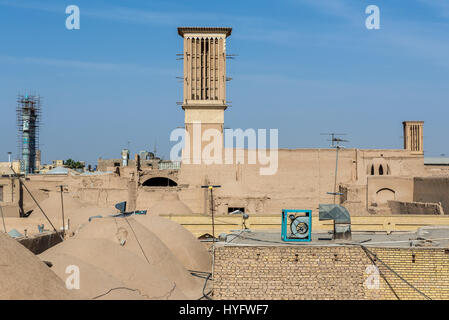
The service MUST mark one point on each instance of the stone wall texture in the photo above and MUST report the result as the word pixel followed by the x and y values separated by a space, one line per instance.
pixel 330 272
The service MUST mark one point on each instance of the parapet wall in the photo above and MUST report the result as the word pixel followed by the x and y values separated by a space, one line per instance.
pixel 318 272
pixel 420 208
pixel 432 189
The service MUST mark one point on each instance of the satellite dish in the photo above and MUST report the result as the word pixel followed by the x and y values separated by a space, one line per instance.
pixel 121 206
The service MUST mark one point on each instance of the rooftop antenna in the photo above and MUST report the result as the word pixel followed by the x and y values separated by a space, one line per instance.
pixel 211 188
pixel 336 144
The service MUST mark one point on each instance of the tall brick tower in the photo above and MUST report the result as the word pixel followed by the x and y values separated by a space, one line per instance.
pixel 204 99
pixel 413 136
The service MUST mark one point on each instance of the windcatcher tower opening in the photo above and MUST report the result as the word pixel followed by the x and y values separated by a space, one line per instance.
pixel 413 136
pixel 28 119
pixel 204 98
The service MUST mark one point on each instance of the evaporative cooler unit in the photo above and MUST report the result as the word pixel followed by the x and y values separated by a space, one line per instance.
pixel 296 225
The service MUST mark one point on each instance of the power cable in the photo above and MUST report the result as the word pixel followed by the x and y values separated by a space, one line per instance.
pixel 32 197
pixel 398 275
pixel 369 253
pixel 201 274
pixel 167 295
pixel 206 295
pixel 118 288
pixel 380 272
pixel 138 242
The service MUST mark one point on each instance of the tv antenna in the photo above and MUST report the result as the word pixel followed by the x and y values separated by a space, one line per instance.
pixel 336 144
pixel 211 187
pixel 155 147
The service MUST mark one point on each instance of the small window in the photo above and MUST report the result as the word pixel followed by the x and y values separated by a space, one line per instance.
pixel 232 209
pixel 116 164
pixel 372 170
pixel 381 170
pixel 1 193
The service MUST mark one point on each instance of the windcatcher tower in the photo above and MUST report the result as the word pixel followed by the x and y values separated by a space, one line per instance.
pixel 413 136
pixel 204 99
pixel 28 119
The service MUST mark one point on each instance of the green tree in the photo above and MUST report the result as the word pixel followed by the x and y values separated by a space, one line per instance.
pixel 72 164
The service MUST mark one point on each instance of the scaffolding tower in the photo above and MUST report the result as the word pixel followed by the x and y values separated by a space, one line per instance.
pixel 28 120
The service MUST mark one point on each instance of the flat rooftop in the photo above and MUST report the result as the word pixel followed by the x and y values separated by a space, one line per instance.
pixel 431 237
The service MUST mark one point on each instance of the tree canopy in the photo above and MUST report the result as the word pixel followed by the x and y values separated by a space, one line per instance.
pixel 72 164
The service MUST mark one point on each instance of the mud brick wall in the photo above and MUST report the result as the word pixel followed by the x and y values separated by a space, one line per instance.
pixel 400 207
pixel 344 272
pixel 432 189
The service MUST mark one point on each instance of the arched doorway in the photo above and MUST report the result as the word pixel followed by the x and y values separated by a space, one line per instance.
pixel 385 194
pixel 159 182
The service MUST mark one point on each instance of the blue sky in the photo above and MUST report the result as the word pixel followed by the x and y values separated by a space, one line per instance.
pixel 304 67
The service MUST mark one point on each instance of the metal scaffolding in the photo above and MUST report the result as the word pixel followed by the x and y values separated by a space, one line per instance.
pixel 28 121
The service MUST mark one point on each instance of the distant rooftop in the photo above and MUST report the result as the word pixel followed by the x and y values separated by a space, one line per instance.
pixel 429 236
pixel 437 161
pixel 184 30
pixel 95 173
pixel 58 170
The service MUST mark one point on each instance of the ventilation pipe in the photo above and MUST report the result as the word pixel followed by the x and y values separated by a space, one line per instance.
pixel 341 217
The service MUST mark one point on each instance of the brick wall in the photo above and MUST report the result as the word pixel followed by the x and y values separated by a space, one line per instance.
pixel 344 272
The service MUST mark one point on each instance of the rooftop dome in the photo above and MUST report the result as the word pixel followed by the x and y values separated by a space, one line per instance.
pixel 122 264
pixel 170 204
pixel 128 234
pixel 182 243
pixel 24 277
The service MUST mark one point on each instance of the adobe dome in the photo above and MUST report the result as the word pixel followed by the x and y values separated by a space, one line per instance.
pixel 95 283
pixel 122 264
pixel 170 204
pixel 24 277
pixel 148 247
pixel 182 243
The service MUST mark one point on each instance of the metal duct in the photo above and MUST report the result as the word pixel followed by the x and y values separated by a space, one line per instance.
pixel 341 217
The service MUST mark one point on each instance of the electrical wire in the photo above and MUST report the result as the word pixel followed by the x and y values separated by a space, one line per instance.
pixel 236 236
pixel 369 253
pixel 201 274
pixel 167 295
pixel 206 295
pixel 138 242
pixel 119 288
pixel 323 244
pixel 32 197
pixel 398 275
pixel 380 272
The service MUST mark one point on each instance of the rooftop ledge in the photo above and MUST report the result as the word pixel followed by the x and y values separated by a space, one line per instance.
pixel 183 30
